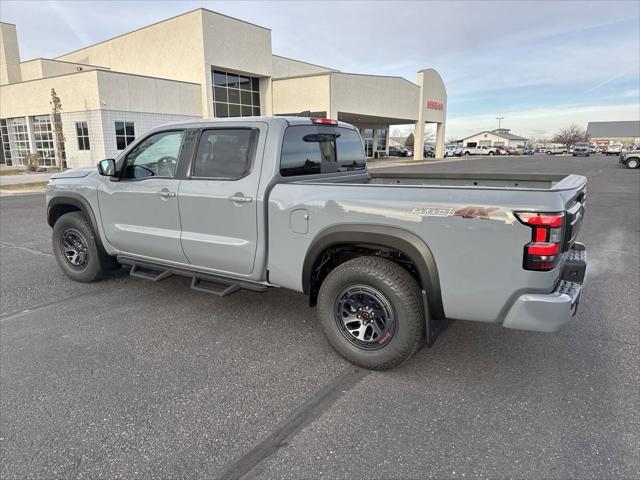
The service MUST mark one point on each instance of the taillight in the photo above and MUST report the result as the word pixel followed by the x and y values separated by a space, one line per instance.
pixel 543 252
pixel 324 121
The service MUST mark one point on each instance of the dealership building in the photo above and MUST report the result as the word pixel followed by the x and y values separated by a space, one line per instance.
pixel 611 133
pixel 494 138
pixel 199 64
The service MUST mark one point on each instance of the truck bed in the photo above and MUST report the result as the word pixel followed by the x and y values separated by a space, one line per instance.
pixel 478 257
pixel 482 180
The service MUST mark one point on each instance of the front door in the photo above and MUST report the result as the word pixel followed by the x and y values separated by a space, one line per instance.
pixel 218 200
pixel 140 212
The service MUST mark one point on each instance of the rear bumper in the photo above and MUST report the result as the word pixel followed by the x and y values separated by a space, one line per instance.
pixel 550 312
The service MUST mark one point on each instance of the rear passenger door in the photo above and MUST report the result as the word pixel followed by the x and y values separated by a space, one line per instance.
pixel 218 199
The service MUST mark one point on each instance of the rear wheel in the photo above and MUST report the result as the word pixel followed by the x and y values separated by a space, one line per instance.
pixel 370 309
pixel 467 154
pixel 77 251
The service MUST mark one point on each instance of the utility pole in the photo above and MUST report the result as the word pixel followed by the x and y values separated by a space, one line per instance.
pixel 499 120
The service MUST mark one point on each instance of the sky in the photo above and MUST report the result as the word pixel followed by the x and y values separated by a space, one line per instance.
pixel 541 65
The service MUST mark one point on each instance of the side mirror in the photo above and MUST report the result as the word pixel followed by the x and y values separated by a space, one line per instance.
pixel 107 167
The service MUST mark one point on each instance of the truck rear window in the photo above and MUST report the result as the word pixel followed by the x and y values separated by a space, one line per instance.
pixel 315 149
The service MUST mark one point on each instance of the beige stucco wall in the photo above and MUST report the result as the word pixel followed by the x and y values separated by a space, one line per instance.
pixel 9 54
pixel 145 94
pixel 43 68
pixel 434 89
pixel 97 89
pixel 170 49
pixel 233 45
pixel 185 48
pixel 393 97
pixel 78 91
pixel 294 95
pixel 288 67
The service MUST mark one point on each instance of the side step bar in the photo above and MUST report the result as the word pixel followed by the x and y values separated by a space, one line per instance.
pixel 200 282
pixel 149 274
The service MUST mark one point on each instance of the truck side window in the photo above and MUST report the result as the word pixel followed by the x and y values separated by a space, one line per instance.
pixel 311 150
pixel 224 154
pixel 155 156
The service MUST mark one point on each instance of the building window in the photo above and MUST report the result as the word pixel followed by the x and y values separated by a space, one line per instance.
pixel 18 138
pixel 6 147
pixel 43 137
pixel 235 95
pixel 125 134
pixel 82 130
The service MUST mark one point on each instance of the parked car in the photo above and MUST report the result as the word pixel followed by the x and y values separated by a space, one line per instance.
pixel 478 150
pixel 396 151
pixel 593 149
pixel 528 151
pixel 630 159
pixel 450 150
pixel 615 149
pixel 556 150
pixel 429 151
pixel 581 149
pixel 501 150
pixel 282 212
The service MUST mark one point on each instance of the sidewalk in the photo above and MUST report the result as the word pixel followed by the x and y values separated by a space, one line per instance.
pixel 24 178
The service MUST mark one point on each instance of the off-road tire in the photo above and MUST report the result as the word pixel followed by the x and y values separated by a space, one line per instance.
pixel 402 293
pixel 98 263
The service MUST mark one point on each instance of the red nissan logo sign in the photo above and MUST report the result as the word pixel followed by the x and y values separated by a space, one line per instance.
pixel 433 105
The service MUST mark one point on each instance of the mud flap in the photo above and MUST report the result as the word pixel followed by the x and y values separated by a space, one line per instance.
pixel 433 327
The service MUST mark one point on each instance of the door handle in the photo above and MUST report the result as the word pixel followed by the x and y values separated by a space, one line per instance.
pixel 240 198
pixel 166 194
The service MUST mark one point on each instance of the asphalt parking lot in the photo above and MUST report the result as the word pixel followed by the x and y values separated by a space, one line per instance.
pixel 130 379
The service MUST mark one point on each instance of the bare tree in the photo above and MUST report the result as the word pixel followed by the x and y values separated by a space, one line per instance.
pixel 429 137
pixel 571 135
pixel 56 120
pixel 409 141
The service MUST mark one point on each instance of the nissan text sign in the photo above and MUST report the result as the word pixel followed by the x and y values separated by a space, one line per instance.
pixel 435 105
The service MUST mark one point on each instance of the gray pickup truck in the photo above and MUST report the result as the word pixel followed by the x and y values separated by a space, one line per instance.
pixel 288 202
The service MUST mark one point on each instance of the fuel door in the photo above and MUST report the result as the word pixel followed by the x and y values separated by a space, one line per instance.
pixel 299 221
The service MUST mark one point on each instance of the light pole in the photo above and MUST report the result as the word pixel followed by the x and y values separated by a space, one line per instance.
pixel 499 120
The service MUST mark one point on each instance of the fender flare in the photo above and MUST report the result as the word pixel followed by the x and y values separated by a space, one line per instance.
pixel 382 236
pixel 81 204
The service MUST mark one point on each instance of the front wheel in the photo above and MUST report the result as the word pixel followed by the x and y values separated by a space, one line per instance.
pixel 370 309
pixel 77 251
pixel 633 163
pixel 490 153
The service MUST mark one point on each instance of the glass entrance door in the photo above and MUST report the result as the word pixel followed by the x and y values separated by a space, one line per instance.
pixel 367 139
